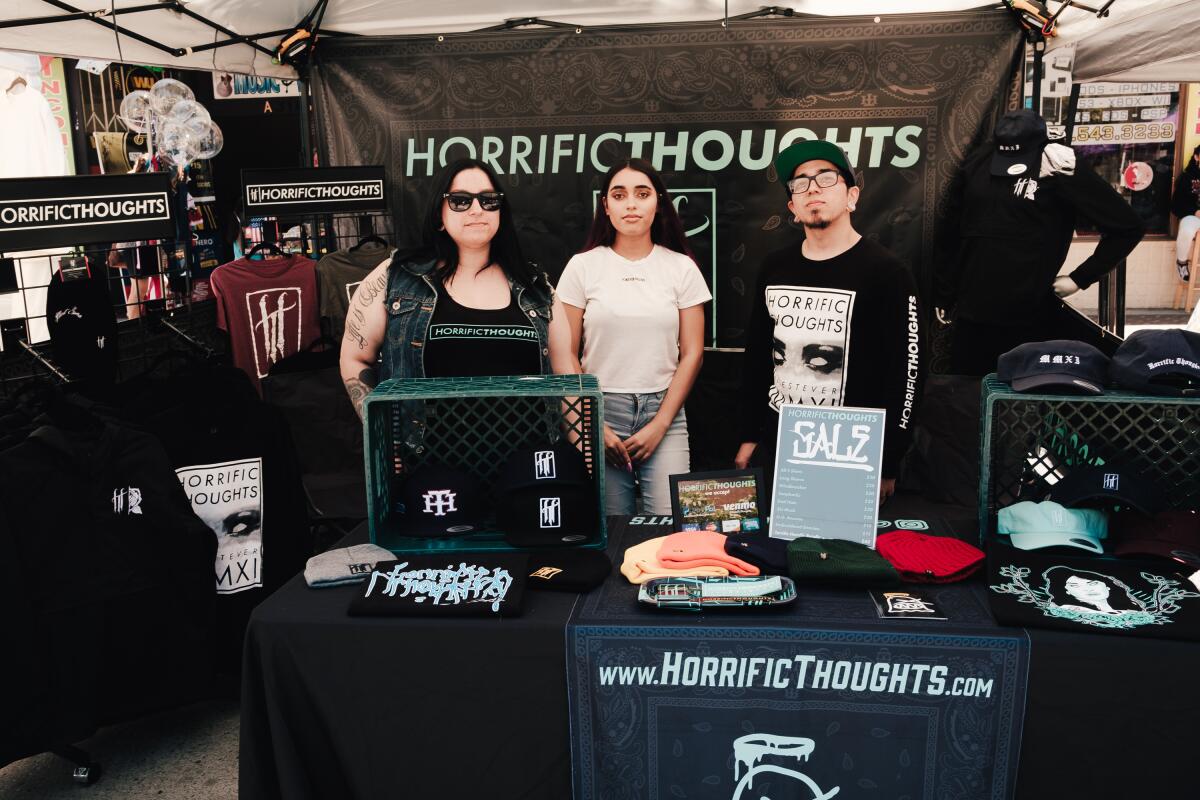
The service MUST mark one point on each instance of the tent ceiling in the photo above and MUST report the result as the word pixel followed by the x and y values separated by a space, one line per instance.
pixel 87 39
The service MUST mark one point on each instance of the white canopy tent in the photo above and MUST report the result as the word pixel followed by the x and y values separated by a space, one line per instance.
pixel 181 38
pixel 1143 41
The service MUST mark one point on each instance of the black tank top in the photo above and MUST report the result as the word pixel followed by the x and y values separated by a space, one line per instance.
pixel 464 342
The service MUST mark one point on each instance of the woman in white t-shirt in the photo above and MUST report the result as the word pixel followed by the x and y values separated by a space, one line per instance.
pixel 635 299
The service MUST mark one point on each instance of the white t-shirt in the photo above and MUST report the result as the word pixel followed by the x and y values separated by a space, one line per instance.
pixel 631 314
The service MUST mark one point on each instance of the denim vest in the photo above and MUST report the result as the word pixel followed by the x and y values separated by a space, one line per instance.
pixel 410 301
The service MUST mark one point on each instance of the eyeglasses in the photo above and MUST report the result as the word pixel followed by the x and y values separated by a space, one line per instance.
pixel 825 179
pixel 461 201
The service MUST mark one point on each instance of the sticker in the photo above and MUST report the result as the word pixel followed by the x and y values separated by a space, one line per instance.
pixel 1017 169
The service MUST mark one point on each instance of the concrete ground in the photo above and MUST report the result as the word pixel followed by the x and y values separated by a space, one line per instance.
pixel 190 753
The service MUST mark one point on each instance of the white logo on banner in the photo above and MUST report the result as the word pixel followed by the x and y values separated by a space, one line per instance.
pixel 227 497
pixel 752 748
pixel 127 501
pixel 551 510
pixel 543 464
pixel 271 325
pixel 439 501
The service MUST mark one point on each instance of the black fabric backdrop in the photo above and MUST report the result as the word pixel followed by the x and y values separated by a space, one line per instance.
pixel 907 97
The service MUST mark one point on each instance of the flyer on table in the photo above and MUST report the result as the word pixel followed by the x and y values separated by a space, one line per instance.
pixel 827 471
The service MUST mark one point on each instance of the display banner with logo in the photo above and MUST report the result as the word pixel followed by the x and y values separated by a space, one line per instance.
pixel 53 212
pixel 827 470
pixel 906 96
pixel 315 190
pixel 818 699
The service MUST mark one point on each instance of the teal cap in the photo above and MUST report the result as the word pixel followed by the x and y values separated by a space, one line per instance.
pixel 796 154
pixel 1032 526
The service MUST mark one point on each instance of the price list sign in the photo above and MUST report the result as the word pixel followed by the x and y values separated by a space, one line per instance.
pixel 827 473
pixel 1126 113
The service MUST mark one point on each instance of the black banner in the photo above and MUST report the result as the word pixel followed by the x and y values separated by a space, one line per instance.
pixel 906 96
pixel 38 213
pixel 286 192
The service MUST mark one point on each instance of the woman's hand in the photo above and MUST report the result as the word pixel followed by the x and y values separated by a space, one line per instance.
pixel 742 459
pixel 642 444
pixel 614 450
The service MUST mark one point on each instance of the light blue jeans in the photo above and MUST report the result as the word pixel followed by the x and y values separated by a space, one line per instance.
pixel 626 414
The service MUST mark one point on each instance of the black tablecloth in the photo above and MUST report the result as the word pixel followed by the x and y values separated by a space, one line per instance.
pixel 335 706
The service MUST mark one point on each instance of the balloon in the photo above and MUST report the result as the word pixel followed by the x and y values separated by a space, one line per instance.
pixel 210 143
pixel 175 140
pixel 166 93
pixel 188 110
pixel 133 110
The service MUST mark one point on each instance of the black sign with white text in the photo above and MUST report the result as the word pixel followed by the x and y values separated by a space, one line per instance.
pixel 277 192
pixel 62 211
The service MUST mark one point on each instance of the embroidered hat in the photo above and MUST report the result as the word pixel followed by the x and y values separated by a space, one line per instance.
pixel 1032 526
pixel 1169 534
pixel 440 501
pixel 1110 484
pixel 701 549
pixel 1162 362
pixel 796 154
pixel 546 497
pixel 769 555
pixel 1059 364
pixel 641 564
pixel 344 565
pixel 1020 138
pixel 839 563
pixel 568 569
pixel 922 558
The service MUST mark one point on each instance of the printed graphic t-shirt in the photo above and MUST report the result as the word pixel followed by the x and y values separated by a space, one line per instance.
pixel 631 314
pixel 339 274
pixel 840 332
pixel 268 308
pixel 464 342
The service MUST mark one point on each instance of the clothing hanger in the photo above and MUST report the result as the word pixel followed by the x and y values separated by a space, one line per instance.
pixel 269 247
pixel 17 81
pixel 371 239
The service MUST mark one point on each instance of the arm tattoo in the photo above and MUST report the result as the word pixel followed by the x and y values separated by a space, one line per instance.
pixel 358 388
pixel 364 296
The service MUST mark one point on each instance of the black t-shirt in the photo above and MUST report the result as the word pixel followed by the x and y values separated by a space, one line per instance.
pixel 464 342
pixel 83 327
pixel 845 331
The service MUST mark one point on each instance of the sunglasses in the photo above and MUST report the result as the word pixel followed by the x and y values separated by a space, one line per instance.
pixel 826 178
pixel 461 201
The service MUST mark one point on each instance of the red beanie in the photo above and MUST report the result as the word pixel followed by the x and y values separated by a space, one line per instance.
pixel 922 558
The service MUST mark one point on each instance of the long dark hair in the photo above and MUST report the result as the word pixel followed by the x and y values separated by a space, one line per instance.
pixel 505 248
pixel 666 230
pixel 1056 586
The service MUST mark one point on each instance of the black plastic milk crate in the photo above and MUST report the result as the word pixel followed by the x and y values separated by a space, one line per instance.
pixel 1028 441
pixel 472 424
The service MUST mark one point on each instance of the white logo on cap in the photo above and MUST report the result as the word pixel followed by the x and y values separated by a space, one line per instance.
pixel 549 512
pixel 543 464
pixel 1111 481
pixel 1017 169
pixel 439 501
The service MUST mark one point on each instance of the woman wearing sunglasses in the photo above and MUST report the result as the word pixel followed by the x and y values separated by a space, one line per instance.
pixel 635 298
pixel 465 303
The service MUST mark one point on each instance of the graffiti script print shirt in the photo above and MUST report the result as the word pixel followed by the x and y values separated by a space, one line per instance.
pixel 269 310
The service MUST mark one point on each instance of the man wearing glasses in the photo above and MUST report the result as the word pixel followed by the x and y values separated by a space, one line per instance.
pixel 834 321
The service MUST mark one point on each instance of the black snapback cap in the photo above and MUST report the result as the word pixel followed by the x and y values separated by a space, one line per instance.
pixel 1161 362
pixel 1120 486
pixel 1020 138
pixel 441 501
pixel 1059 364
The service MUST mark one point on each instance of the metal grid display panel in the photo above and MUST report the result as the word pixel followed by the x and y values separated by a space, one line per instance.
pixel 472 424
pixel 1029 440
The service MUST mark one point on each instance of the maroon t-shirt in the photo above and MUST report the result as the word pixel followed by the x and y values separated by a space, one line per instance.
pixel 268 308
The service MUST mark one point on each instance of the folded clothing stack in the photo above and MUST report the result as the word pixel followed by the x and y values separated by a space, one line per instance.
pixel 922 558
pixel 701 549
pixel 835 562
pixel 641 564
pixel 769 555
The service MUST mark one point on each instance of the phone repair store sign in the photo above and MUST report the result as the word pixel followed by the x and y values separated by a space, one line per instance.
pixel 285 192
pixel 38 213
